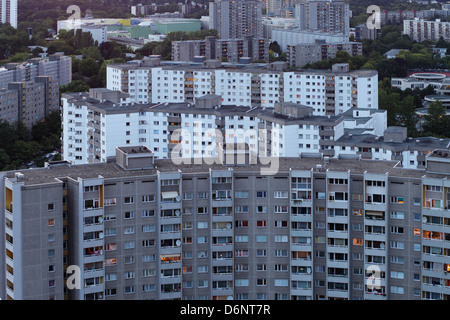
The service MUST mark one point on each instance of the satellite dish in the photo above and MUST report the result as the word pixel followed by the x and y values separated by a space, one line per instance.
pixel 424 219
pixel 100 220
pixel 178 198
pixel 308 270
pixel 178 242
pixel 228 225
pixel 308 240
pixel 101 235
pixel 177 212
pixel 229 297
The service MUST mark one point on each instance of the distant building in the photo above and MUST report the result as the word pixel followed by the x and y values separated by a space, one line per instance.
pixel 293 37
pixel 142 10
pixel 419 80
pixel 8 12
pixel 30 101
pixel 302 54
pixel 57 65
pixel 421 30
pixel 236 19
pixel 246 84
pixel 391 54
pixel 99 33
pixel 363 32
pixel 323 16
pixel 231 50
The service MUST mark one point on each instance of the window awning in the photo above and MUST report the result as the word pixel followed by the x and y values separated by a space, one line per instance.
pixel 169 194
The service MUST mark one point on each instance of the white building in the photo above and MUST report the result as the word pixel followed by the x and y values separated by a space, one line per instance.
pixel 421 30
pixel 8 12
pixel 293 37
pixel 95 123
pixel 329 92
pixel 98 31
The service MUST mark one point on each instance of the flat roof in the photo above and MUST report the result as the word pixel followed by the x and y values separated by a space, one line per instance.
pixel 113 170
pixel 233 67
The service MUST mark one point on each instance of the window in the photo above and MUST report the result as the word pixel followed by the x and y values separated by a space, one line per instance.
pixel 148 198
pixel 280 194
pixel 128 215
pixel 129 200
pixel 241 238
pixel 51 222
pixel 396 229
pixel 399 200
pixel 241 194
pixel 281 238
pixel 261 209
pixel 281 282
pixel 261 238
pixel 397 290
pixel 202 225
pixel 202 195
pixel 51 207
pixel 261 194
pixel 397 215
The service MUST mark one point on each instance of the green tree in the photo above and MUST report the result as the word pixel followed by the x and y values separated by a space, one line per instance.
pixel 4 159
pixel 89 67
pixel 75 86
pixel 436 121
pixel 406 115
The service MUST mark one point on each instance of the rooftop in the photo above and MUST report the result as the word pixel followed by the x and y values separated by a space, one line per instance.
pixel 112 170
pixel 236 67
pixel 369 140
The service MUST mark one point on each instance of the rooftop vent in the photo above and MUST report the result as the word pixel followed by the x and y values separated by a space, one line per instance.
pixel 19 176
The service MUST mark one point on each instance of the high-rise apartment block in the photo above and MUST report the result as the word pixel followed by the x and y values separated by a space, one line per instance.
pixel 8 12
pixel 301 54
pixel 229 50
pixel 30 101
pixel 329 92
pixel 30 90
pixel 421 30
pixel 236 18
pixel 140 228
pixel 323 16
pixel 57 66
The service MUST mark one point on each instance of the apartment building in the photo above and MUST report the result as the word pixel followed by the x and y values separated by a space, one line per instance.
pixel 301 54
pixel 57 66
pixel 329 92
pixel 95 124
pixel 236 19
pixel 393 145
pixel 29 102
pixel 8 12
pixel 421 30
pixel 290 37
pixel 230 50
pixel 323 16
pixel 280 8
pixel 143 228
